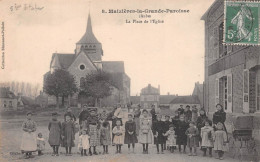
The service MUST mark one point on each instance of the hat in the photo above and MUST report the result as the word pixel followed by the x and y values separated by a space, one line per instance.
pixel 130 114
pixel 144 110
pixel 171 125
pixel 29 113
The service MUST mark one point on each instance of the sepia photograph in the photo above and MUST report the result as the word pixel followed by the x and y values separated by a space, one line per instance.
pixel 130 81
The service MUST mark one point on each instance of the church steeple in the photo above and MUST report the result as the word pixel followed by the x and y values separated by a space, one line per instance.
pixel 90 46
pixel 89 36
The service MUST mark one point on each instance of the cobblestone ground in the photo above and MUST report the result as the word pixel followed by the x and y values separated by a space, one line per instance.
pixel 11 134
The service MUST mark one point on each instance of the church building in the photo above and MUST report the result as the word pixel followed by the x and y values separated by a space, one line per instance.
pixel 87 57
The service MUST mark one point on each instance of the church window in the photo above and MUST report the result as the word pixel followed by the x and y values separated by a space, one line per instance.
pixel 86 46
pixel 90 46
pixel 82 67
pixel 82 80
pixel 94 46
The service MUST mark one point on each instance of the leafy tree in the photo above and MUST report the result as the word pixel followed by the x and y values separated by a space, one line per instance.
pixel 96 85
pixel 60 83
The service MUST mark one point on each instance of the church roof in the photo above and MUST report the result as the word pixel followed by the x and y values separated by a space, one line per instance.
pixel 65 60
pixel 113 66
pixel 89 36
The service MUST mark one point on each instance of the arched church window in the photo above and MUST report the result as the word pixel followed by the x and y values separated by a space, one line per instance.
pixel 94 46
pixel 86 46
pixel 82 80
pixel 90 46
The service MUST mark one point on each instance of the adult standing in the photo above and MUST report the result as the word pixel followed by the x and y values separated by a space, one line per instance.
pixel 118 114
pixel 29 143
pixel 180 110
pixel 194 114
pixel 153 113
pixel 187 114
pixel 219 116
pixel 137 114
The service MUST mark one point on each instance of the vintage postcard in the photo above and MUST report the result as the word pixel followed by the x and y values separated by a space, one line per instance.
pixel 127 81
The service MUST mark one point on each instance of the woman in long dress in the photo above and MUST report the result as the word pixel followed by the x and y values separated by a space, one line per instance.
pixel 145 132
pixel 29 143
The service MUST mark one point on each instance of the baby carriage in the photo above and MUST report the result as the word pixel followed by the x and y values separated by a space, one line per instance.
pixel 243 142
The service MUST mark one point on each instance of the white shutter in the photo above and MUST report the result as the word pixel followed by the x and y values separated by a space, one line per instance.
pixel 246 91
pixel 216 91
pixel 229 93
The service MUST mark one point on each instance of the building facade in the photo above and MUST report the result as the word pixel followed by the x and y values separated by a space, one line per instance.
pixel 232 72
pixel 9 101
pixel 184 100
pixel 150 96
pixel 87 58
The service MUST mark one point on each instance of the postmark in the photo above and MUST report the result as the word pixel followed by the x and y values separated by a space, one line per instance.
pixel 241 23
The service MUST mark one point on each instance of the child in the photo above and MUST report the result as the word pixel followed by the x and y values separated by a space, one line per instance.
pixel 206 134
pixel 220 140
pixel 181 136
pixel 167 124
pixel 93 126
pixel 171 138
pixel 83 142
pixel 118 131
pixel 29 143
pixel 55 134
pixel 68 134
pixel 194 114
pixel 130 132
pixel 105 137
pixel 145 132
pixel 192 139
pixel 40 144
pixel 158 131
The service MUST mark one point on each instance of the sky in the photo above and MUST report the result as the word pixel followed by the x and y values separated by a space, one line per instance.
pixel 169 54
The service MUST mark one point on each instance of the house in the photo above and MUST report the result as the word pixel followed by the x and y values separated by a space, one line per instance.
pixel 87 58
pixel 232 72
pixel 149 96
pixel 198 91
pixel 164 100
pixel 184 100
pixel 9 101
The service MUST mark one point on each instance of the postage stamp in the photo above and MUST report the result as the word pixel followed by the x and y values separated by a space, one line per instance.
pixel 241 23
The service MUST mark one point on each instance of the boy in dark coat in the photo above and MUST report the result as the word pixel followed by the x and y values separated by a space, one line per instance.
pixel 181 136
pixel 188 114
pixel 158 131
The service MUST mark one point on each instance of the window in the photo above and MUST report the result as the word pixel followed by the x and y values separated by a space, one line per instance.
pixel 5 105
pixel 222 47
pixel 10 104
pixel 82 67
pixel 82 80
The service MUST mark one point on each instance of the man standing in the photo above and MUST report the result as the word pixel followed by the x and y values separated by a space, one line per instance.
pixel 180 110
pixel 69 113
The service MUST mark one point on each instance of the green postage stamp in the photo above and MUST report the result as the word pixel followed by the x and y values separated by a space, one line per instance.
pixel 241 23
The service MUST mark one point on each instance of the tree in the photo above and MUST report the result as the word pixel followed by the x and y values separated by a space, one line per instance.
pixel 60 83
pixel 96 85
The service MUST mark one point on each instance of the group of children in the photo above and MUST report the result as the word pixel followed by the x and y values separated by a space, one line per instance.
pixel 167 134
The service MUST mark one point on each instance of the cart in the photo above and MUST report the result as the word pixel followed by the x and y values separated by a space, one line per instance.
pixel 243 142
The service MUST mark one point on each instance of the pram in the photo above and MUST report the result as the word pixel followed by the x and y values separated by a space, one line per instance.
pixel 243 141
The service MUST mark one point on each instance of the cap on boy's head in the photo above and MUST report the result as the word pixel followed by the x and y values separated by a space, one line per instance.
pixel 171 125
pixel 54 114
pixel 29 113
pixel 130 115
pixel 194 106
pixel 188 106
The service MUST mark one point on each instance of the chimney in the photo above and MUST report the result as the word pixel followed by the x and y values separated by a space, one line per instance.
pixel 168 93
